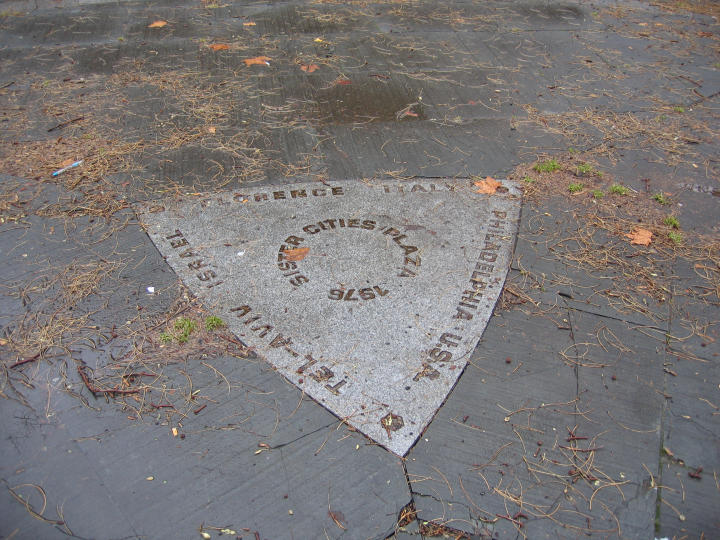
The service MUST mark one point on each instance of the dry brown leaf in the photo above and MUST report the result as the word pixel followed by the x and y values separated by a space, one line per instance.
pixel 211 129
pixel 157 24
pixel 219 46
pixel 642 237
pixel 258 61
pixel 487 186
pixel 3 342
pixel 297 254
pixel 67 163
pixel 309 68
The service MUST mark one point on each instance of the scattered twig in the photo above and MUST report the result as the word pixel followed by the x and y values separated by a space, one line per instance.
pixel 25 361
pixel 67 123
pixel 108 391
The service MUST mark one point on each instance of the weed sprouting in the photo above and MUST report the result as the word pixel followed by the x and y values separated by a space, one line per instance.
pixel 671 221
pixel 675 237
pixel 550 165
pixel 213 323
pixel 185 327
pixel 661 198
pixel 585 169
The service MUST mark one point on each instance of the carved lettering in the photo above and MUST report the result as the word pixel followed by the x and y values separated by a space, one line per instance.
pixel 188 253
pixel 280 341
pixel 310 362
pixel 439 355
pixel 450 339
pixel 335 389
pixel 264 329
pixel 179 243
pixel 323 373
pixel 426 371
pixel 207 275
pixel 178 240
pixel 197 265
pixel 241 311
pixel 367 293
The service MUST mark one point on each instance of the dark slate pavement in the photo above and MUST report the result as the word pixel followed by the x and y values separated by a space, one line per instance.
pixel 501 83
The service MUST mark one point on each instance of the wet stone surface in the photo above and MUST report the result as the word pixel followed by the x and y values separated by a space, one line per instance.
pixel 369 297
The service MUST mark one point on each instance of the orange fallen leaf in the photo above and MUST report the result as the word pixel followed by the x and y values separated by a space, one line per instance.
pixel 642 237
pixel 309 68
pixel 343 81
pixel 211 129
pixel 487 186
pixel 157 24
pixel 297 254
pixel 249 23
pixel 219 46
pixel 258 61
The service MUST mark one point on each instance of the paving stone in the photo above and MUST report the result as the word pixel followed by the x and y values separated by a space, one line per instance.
pixel 694 327
pixel 688 506
pixel 620 399
pixel 411 531
pixel 691 422
pixel 261 444
pixel 40 450
pixel 43 254
pixel 464 149
pixel 249 461
pixel 301 292
pixel 539 257
pixel 480 454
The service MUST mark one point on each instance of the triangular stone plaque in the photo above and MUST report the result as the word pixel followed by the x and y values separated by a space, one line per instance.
pixel 369 296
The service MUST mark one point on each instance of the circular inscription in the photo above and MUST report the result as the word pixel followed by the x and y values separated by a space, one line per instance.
pixel 354 251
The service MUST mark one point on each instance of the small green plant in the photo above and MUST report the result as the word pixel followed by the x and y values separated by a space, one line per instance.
pixel 185 327
pixel 675 237
pixel 671 221
pixel 572 150
pixel 575 187
pixel 661 118
pixel 617 189
pixel 661 198
pixel 679 109
pixel 166 337
pixel 598 194
pixel 213 323
pixel 529 180
pixel 550 165
pixel 585 169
